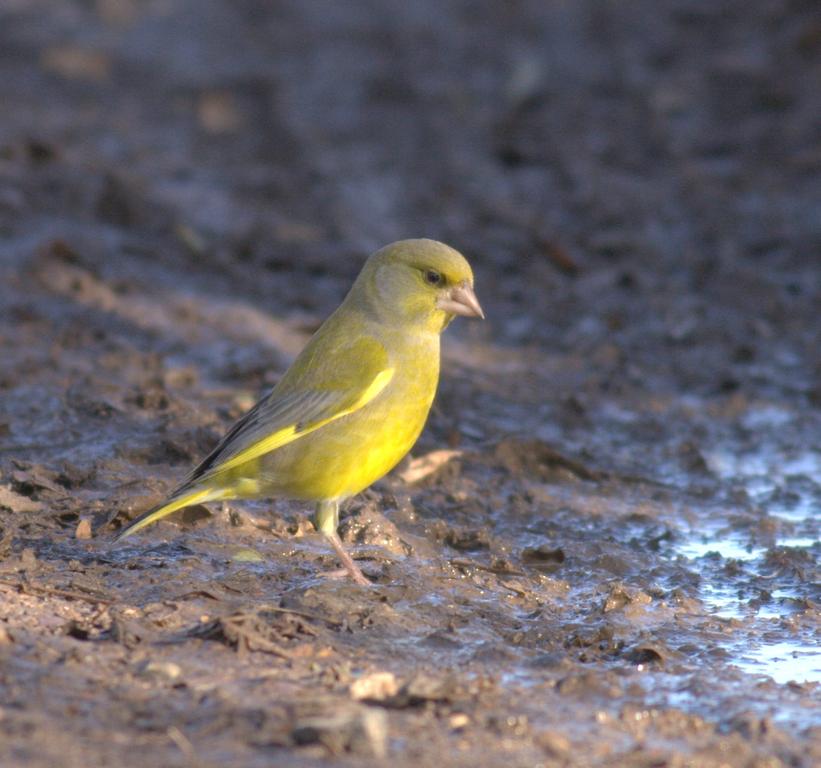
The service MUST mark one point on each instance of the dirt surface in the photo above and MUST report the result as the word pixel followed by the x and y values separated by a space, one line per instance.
pixel 604 549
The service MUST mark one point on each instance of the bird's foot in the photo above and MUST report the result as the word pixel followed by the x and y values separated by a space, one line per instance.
pixel 351 568
pixel 343 573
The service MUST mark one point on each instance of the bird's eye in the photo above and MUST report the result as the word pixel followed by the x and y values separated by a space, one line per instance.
pixel 432 277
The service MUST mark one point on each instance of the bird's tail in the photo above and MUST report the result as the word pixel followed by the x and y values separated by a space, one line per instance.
pixel 176 502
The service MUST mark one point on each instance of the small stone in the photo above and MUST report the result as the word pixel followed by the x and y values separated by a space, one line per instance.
pixel 620 596
pixel 247 556
pixel 422 688
pixel 553 743
pixel 83 529
pixel 375 687
pixel 16 502
pixel 161 669
pixel 360 730
pixel 458 721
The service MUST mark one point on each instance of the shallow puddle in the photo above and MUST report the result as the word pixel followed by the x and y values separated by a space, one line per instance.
pixel 768 477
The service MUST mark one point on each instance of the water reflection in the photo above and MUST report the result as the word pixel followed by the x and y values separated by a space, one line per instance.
pixel 787 487
pixel 784 662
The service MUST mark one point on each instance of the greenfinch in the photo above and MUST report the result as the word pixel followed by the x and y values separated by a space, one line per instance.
pixel 354 401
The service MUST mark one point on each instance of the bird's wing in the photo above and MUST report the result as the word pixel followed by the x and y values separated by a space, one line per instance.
pixel 323 385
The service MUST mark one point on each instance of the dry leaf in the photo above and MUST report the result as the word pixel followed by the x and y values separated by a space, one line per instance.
pixel 426 465
pixel 16 502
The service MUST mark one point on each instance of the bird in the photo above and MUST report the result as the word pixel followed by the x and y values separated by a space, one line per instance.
pixel 353 402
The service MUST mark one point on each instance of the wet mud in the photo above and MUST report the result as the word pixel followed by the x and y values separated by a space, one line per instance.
pixel 604 548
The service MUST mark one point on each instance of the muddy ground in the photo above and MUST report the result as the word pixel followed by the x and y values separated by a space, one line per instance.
pixel 604 550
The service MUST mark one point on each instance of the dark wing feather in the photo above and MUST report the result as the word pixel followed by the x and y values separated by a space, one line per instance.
pixel 267 417
pixel 326 382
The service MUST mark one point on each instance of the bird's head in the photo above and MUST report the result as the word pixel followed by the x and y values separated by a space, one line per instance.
pixel 420 282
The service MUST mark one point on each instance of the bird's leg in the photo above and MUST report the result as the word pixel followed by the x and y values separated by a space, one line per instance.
pixel 326 520
pixel 347 560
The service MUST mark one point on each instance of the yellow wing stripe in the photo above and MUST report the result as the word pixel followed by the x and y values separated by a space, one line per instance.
pixel 290 433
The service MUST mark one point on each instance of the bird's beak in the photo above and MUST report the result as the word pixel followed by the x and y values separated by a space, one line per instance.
pixel 461 300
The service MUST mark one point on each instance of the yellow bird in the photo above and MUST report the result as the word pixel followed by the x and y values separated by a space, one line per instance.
pixel 353 402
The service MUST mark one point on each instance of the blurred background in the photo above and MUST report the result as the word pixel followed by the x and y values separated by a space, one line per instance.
pixel 188 187
pixel 672 141
pixel 636 174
